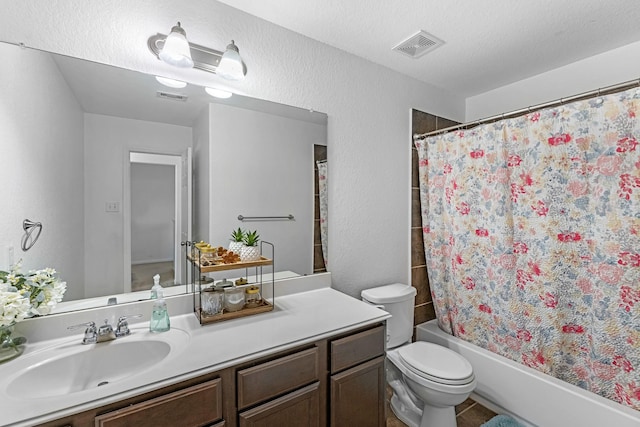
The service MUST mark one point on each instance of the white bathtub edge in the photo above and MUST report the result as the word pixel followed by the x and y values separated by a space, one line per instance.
pixel 530 396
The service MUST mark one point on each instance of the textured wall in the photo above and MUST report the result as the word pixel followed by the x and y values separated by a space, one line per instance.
pixel 369 106
pixel 609 68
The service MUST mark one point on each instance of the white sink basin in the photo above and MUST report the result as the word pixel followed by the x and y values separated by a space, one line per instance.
pixel 74 367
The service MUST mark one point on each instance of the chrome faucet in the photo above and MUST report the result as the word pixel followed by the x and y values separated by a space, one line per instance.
pixel 105 332
pixel 122 329
pixel 90 334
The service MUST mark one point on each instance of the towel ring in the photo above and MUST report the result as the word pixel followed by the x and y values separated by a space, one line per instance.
pixel 28 239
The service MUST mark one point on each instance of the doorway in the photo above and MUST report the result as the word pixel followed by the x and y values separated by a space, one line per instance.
pixel 156 219
pixel 153 227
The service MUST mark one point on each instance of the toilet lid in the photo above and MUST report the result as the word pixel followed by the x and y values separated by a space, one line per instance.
pixel 436 363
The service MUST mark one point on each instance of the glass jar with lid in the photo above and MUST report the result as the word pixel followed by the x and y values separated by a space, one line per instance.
pixel 208 255
pixel 212 301
pixel 252 297
pixel 233 298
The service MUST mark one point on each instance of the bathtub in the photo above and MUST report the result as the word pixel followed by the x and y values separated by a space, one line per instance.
pixel 534 398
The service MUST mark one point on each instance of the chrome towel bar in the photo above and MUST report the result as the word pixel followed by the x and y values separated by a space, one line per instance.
pixel 259 218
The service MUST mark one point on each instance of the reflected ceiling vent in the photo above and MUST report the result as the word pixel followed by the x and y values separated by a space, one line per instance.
pixel 419 44
pixel 172 96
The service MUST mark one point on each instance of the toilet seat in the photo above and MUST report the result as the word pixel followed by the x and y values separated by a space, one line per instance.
pixel 436 363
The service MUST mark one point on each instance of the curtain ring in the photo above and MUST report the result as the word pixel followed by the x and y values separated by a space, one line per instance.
pixel 28 240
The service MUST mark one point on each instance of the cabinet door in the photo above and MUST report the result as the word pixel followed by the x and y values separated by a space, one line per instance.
pixel 194 406
pixel 357 395
pixel 300 408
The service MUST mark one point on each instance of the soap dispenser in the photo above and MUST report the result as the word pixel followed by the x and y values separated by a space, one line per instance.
pixel 160 321
pixel 156 286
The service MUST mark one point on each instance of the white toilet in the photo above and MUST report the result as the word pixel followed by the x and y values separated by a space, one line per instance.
pixel 428 380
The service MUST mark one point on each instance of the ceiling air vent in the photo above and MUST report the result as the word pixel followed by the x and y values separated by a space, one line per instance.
pixel 419 44
pixel 172 96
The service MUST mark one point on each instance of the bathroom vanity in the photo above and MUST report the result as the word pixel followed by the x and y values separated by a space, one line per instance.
pixel 317 359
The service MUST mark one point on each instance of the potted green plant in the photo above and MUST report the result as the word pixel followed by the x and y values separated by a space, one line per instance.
pixel 237 240
pixel 250 251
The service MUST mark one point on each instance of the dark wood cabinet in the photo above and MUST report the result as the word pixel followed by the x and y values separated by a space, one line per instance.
pixel 206 400
pixel 357 398
pixel 194 406
pixel 358 379
pixel 337 381
pixel 300 408
pixel 276 377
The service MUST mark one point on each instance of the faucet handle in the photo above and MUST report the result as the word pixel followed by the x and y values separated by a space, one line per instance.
pixel 122 329
pixel 90 333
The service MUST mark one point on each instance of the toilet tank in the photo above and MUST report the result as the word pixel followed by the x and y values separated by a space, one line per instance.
pixel 398 300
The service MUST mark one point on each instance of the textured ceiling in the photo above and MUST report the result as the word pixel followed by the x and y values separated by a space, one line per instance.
pixel 488 44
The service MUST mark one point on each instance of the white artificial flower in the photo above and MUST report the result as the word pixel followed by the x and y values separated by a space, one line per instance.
pixel 24 295
pixel 13 308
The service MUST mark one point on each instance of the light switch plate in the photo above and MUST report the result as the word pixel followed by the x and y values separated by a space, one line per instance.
pixel 112 207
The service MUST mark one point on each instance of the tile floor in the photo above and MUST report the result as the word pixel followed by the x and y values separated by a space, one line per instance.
pixel 469 414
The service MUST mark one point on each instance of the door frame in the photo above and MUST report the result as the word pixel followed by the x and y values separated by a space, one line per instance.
pixel 137 156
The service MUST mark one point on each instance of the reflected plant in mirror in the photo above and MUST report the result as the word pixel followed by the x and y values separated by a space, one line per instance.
pixel 121 169
pixel 23 295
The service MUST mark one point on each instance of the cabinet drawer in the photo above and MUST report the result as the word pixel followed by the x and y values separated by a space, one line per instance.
pixel 276 377
pixel 357 348
pixel 194 406
pixel 300 408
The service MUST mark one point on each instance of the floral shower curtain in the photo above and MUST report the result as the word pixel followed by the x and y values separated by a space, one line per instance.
pixel 532 239
pixel 324 209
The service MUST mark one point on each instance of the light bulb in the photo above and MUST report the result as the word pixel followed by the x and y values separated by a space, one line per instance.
pixel 218 93
pixel 178 84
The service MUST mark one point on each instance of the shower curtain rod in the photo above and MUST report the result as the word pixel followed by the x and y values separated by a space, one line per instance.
pixel 605 90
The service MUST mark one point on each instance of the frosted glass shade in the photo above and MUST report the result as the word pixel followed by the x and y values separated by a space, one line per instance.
pixel 176 49
pixel 231 66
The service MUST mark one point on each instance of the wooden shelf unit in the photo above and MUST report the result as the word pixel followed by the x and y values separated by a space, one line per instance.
pixel 192 257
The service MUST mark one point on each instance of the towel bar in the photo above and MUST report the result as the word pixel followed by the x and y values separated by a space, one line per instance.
pixel 258 218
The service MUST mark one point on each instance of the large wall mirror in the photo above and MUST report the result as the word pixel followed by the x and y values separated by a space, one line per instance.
pixel 120 169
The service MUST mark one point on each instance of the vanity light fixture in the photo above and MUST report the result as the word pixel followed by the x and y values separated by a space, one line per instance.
pixel 218 93
pixel 231 66
pixel 176 50
pixel 177 84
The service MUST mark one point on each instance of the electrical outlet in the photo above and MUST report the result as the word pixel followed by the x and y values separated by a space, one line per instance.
pixel 112 207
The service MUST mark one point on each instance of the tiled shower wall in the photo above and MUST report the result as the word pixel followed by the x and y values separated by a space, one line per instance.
pixel 421 123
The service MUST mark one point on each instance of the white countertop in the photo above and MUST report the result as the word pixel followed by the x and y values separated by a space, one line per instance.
pixel 297 319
